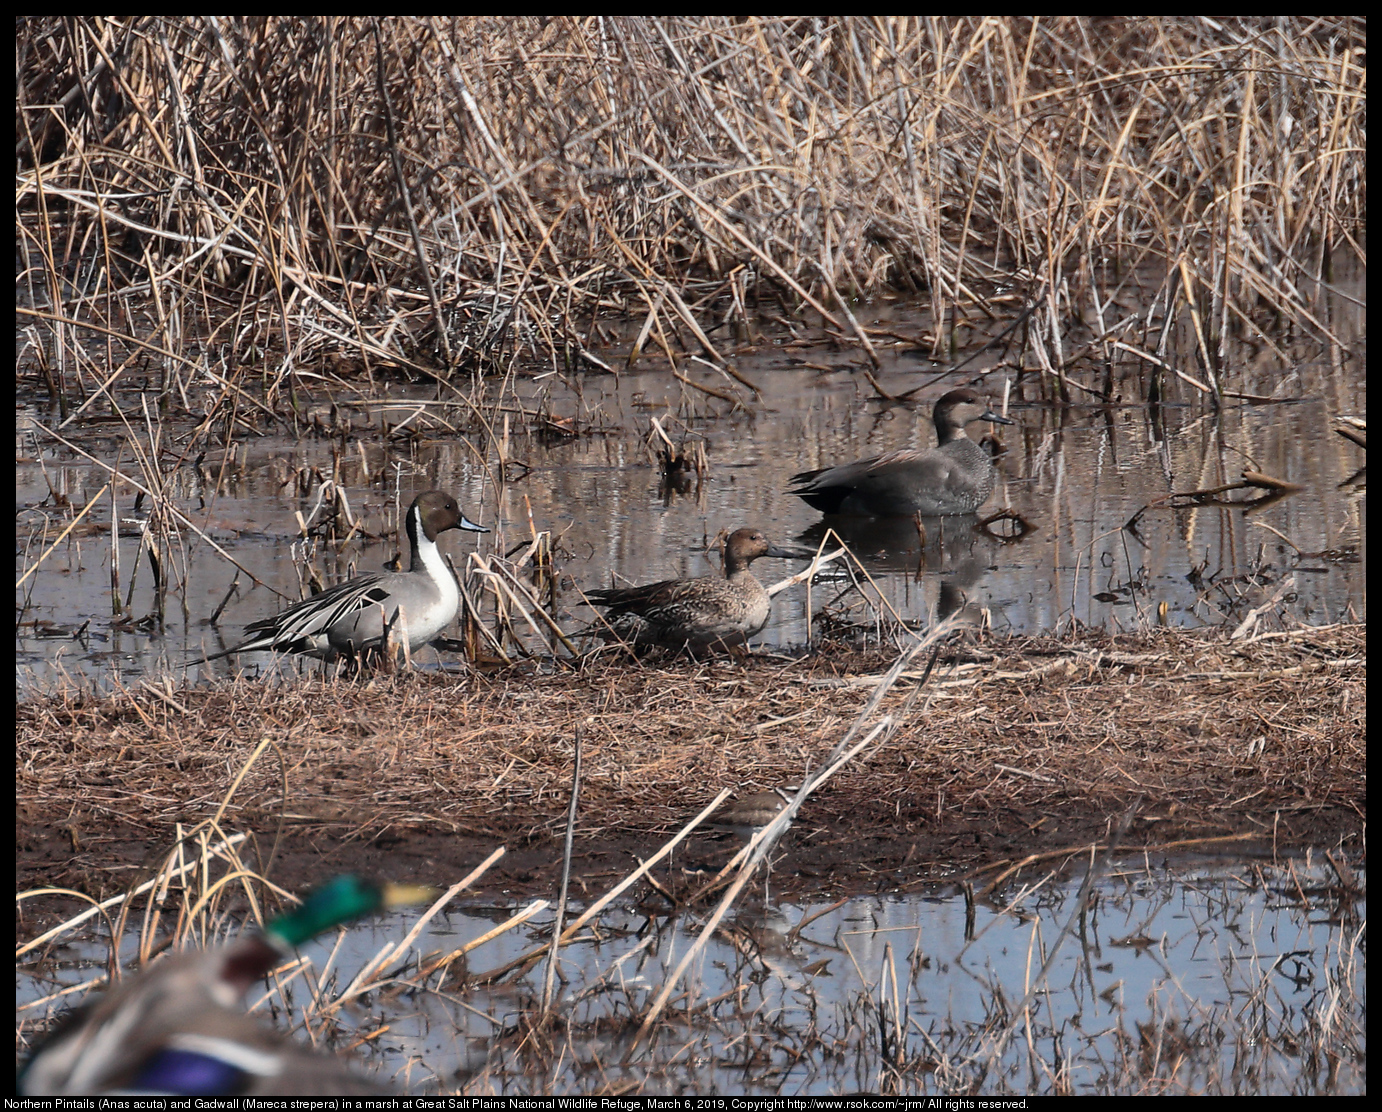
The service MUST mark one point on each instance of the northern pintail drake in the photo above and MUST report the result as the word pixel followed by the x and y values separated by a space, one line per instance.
pixel 952 478
pixel 349 618
pixel 705 613
pixel 179 1028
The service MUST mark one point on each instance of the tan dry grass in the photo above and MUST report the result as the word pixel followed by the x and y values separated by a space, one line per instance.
pixel 1034 740
pixel 254 203
pixel 229 226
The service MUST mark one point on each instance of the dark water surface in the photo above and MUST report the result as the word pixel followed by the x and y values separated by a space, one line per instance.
pixel 1077 474
pixel 1181 978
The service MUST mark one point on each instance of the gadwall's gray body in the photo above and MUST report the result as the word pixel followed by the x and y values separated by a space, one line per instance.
pixel 179 1027
pixel 952 478
pixel 349 618
pixel 710 612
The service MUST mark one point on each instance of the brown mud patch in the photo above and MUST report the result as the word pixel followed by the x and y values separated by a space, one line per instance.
pixel 1016 747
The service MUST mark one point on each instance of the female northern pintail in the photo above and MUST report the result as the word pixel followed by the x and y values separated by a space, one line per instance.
pixel 952 478
pixel 349 618
pixel 178 1028
pixel 710 612
pixel 746 817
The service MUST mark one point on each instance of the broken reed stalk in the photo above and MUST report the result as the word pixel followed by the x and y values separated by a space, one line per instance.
pixel 359 985
pixel 28 571
pixel 472 622
pixel 550 979
pixel 853 565
pixel 600 904
pixel 515 584
pixel 758 850
pixel 761 844
pixel 764 841
pixel 507 590
pixel 713 160
pixel 508 924
pixel 808 573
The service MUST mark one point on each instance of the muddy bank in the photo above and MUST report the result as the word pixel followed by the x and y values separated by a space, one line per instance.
pixel 1016 746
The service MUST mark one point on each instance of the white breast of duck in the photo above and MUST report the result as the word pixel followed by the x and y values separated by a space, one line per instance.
pixel 351 616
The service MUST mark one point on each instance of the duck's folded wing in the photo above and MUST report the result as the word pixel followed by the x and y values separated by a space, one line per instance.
pixel 313 617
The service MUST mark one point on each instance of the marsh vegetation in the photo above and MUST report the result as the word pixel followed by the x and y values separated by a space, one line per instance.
pixel 425 245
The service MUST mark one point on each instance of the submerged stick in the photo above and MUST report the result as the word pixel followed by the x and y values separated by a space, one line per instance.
pixel 565 876
pixel 600 904
pixel 763 842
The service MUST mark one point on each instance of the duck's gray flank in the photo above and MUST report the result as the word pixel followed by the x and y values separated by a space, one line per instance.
pixel 710 612
pixel 955 477
pixel 349 618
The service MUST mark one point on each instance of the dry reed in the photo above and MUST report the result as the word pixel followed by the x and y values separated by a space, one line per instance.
pixel 1176 738
pixel 244 213
pixel 1020 746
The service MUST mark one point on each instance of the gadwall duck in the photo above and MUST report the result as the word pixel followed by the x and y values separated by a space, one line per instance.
pixel 952 478
pixel 178 1028
pixel 711 612
pixel 349 618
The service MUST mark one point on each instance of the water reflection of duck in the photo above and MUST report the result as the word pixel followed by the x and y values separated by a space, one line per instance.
pixel 955 477
pixel 710 612
pixel 178 1029
pixel 894 543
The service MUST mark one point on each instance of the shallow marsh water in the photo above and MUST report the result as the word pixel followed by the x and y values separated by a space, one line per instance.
pixel 1193 980
pixel 1183 977
pixel 1079 475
